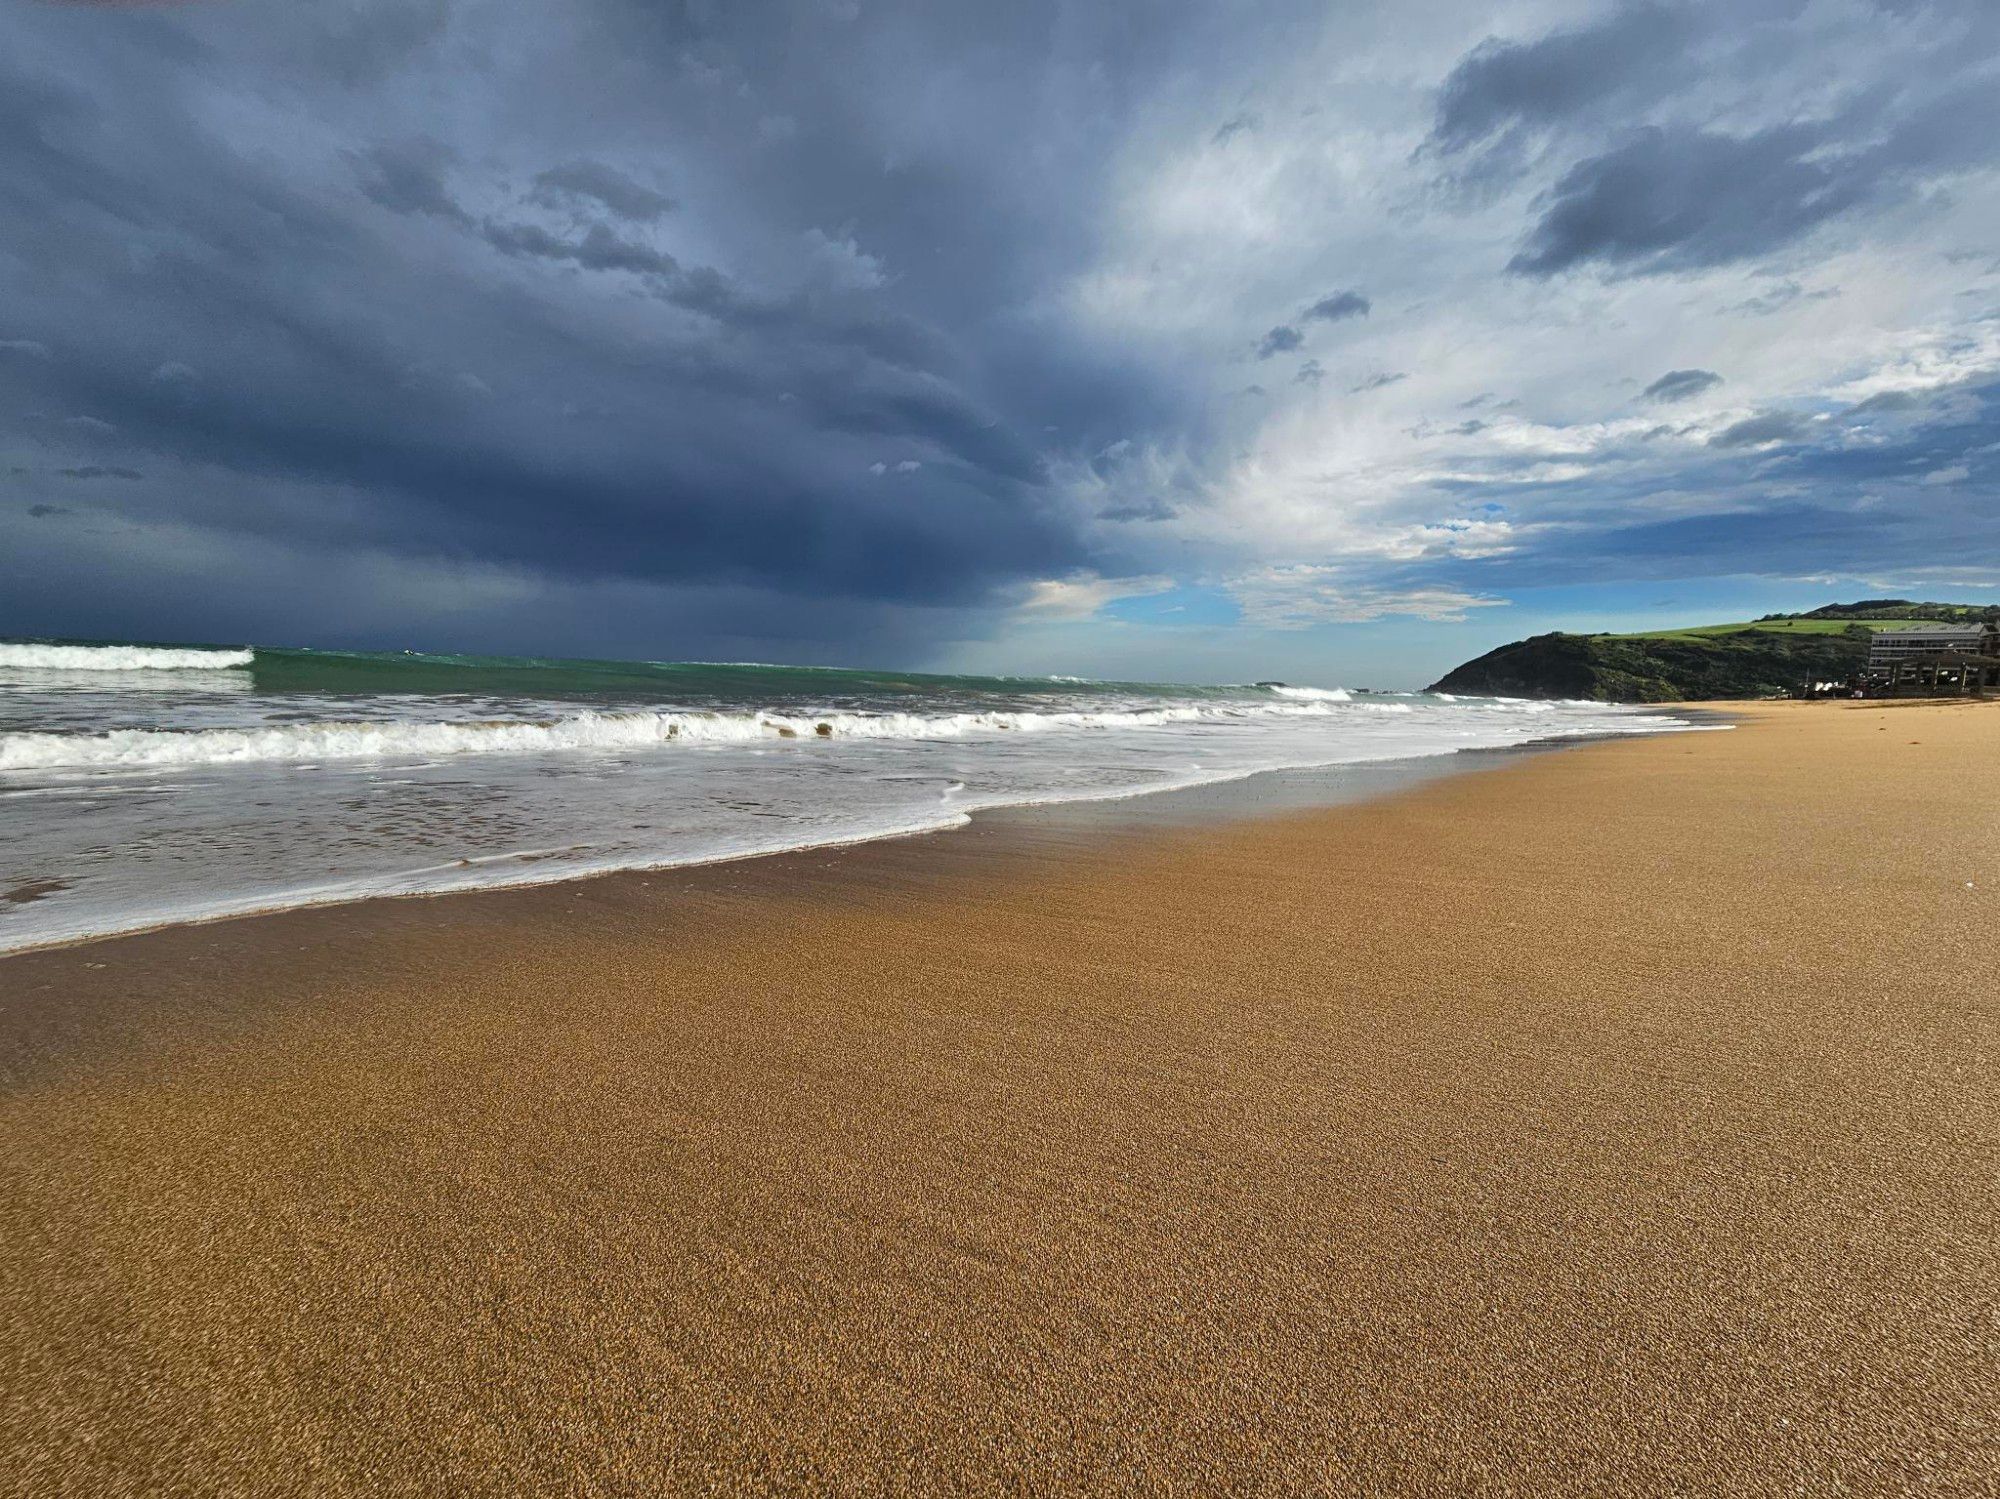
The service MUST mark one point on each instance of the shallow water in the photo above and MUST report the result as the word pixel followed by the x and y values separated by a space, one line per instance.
pixel 143 785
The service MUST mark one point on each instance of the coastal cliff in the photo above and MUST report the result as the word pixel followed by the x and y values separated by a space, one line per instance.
pixel 1757 658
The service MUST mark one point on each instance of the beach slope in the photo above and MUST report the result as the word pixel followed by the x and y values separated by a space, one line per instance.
pixel 1620 1120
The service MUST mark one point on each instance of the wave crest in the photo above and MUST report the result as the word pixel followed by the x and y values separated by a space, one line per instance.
pixel 117 658
pixel 588 730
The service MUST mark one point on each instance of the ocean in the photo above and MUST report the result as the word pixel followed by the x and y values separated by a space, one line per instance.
pixel 146 785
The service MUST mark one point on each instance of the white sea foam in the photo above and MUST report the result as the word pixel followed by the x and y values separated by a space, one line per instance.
pixel 589 730
pixel 116 658
pixel 1314 694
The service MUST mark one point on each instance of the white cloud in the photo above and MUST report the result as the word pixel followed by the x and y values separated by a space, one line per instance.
pixel 1296 597
pixel 1082 594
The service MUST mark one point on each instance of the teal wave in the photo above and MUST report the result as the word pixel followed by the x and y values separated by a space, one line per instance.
pixel 279 669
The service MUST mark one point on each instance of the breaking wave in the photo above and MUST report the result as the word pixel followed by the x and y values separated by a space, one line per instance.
pixel 589 730
pixel 1312 694
pixel 116 658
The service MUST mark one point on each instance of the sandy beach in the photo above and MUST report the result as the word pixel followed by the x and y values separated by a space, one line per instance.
pixel 1618 1120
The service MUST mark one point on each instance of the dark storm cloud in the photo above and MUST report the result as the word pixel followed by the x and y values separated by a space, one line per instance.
pixel 1885 402
pixel 1653 183
pixel 408 177
pixel 1280 340
pixel 1139 510
pixel 1680 385
pixel 396 330
pixel 594 182
pixel 1376 382
pixel 1678 198
pixel 1764 428
pixel 100 471
pixel 1287 338
pixel 1502 94
pixel 599 248
pixel 1342 304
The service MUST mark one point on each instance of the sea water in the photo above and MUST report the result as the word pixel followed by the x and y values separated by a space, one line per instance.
pixel 142 785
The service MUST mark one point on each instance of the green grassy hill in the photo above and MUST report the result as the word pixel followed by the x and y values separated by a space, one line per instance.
pixel 1782 626
pixel 1755 658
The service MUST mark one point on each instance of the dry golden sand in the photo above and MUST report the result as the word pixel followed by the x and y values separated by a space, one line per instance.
pixel 1619 1121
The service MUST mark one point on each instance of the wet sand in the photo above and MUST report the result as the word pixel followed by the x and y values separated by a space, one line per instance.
pixel 1616 1120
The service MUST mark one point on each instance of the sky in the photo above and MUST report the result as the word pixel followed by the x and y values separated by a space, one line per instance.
pixel 1138 338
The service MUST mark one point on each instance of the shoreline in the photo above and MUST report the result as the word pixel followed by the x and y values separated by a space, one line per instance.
pixel 1138 808
pixel 1612 1121
pixel 60 984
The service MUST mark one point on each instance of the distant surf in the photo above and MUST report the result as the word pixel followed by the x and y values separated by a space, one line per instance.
pixel 146 784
